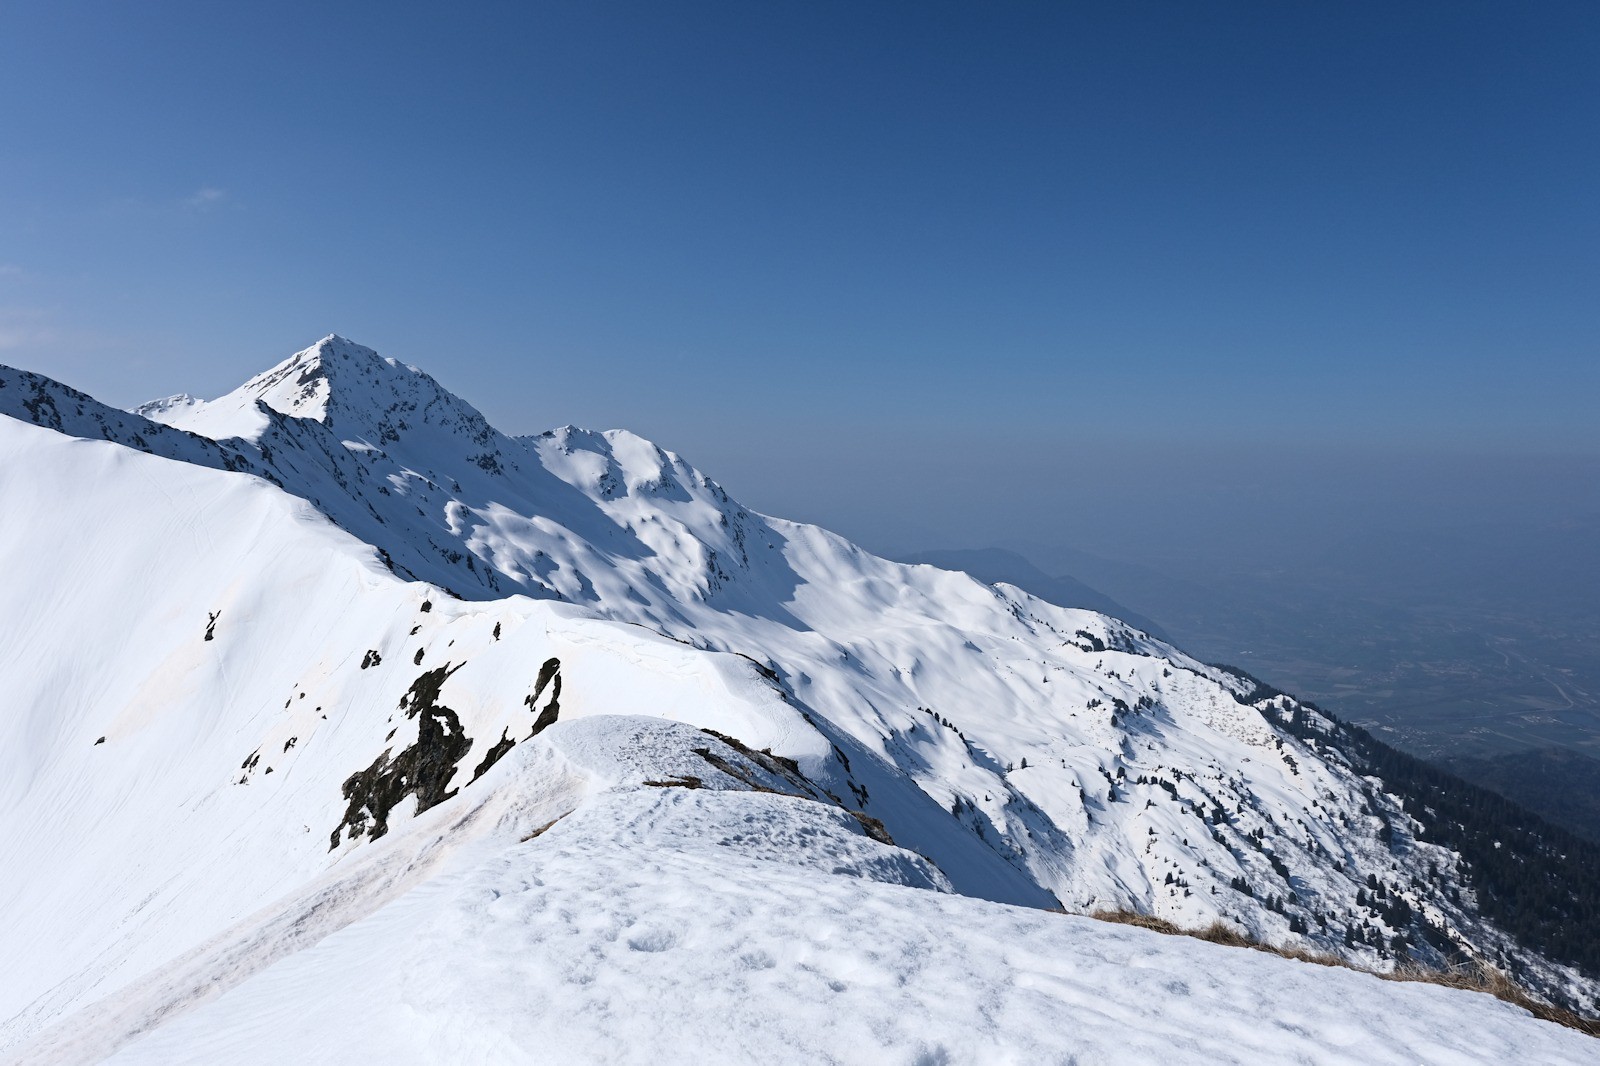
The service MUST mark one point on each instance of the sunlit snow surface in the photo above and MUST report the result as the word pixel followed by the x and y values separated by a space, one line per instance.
pixel 635 932
pixel 665 924
pixel 277 746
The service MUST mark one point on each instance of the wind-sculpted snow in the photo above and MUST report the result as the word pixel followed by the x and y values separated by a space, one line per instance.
pixel 262 651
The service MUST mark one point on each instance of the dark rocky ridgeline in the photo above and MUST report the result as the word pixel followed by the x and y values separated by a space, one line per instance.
pixel 493 755
pixel 549 677
pixel 48 403
pixel 423 770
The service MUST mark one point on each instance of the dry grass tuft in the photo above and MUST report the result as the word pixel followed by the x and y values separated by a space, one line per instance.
pixel 1475 977
pixel 540 831
pixel 681 781
pixel 1481 977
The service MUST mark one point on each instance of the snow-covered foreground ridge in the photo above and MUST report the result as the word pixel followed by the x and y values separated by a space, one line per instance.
pixel 295 678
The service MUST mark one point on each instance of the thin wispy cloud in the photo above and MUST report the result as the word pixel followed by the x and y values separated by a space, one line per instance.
pixel 26 327
pixel 207 198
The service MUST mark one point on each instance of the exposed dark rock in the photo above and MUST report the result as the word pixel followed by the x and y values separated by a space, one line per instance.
pixel 549 675
pixel 873 828
pixel 493 755
pixel 681 781
pixel 423 770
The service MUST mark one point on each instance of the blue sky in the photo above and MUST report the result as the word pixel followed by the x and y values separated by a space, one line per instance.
pixel 929 272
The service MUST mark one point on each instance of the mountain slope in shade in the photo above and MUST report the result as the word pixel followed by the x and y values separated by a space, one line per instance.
pixel 1560 784
pixel 282 661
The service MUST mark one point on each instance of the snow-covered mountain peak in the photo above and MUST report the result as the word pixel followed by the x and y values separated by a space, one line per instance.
pixel 166 404
pixel 318 381
pixel 360 396
pixel 390 455
pixel 617 463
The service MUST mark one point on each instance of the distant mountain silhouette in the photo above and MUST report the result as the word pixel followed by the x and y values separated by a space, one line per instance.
pixel 990 565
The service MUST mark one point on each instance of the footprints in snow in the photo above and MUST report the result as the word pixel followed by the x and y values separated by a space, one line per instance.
pixel 653 940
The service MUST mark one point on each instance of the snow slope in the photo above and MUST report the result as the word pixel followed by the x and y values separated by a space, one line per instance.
pixel 660 923
pixel 235 748
pixel 283 664
pixel 726 927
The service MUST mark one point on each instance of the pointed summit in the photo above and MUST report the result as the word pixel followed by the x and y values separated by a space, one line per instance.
pixel 347 387
pixel 303 385
pixel 339 381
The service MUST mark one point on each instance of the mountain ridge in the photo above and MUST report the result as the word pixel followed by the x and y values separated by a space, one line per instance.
pixel 991 565
pixel 367 611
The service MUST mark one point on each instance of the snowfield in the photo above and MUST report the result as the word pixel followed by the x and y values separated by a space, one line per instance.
pixel 669 924
pixel 339 726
